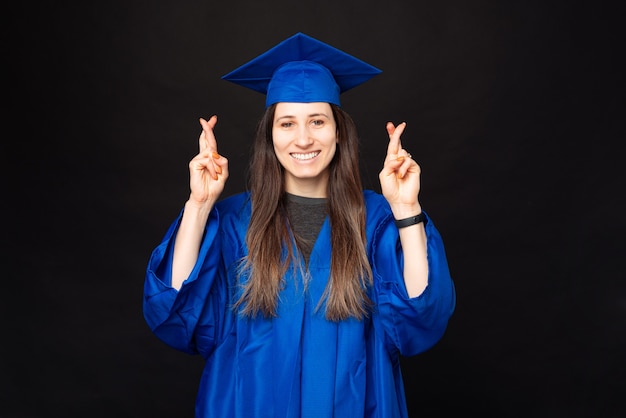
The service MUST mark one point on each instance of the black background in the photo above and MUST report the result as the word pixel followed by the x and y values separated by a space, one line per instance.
pixel 515 112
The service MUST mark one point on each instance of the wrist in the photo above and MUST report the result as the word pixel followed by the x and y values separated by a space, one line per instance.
pixel 405 211
pixel 201 208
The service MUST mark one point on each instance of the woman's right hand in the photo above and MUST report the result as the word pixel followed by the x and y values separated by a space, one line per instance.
pixel 208 170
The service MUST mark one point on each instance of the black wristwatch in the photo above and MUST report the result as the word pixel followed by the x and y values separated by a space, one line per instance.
pixel 412 220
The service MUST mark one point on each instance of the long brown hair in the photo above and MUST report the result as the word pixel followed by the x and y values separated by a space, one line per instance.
pixel 268 233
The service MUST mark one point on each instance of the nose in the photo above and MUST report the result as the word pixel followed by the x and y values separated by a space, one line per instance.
pixel 303 138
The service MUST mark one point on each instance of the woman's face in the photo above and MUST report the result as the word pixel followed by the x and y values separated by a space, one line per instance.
pixel 305 141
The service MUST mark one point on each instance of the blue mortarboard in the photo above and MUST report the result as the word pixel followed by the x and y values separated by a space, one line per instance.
pixel 302 69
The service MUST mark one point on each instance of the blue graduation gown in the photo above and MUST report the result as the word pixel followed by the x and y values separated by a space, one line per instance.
pixel 297 364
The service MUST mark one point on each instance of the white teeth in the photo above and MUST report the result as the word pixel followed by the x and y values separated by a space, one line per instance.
pixel 306 156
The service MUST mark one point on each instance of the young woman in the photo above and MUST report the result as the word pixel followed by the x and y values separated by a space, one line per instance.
pixel 301 293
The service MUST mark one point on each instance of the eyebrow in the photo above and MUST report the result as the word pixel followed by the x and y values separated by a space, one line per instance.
pixel 312 115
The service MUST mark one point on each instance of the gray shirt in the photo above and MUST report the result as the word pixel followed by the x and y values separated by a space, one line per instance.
pixel 306 216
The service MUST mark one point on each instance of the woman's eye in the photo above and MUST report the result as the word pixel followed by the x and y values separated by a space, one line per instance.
pixel 286 124
pixel 318 122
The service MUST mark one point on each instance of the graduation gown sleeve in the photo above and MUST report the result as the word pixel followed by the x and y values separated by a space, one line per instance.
pixel 192 318
pixel 411 325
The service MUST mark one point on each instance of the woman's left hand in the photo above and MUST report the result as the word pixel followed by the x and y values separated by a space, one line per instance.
pixel 400 176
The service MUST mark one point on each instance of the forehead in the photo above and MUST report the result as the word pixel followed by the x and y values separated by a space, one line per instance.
pixel 302 109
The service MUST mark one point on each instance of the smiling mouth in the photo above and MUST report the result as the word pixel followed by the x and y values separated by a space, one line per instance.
pixel 305 156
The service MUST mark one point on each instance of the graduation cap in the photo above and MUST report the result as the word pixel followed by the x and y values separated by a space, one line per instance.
pixel 302 69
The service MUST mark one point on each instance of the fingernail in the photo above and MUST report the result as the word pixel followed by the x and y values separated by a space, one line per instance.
pixel 401 158
pixel 218 169
pixel 400 176
pixel 216 155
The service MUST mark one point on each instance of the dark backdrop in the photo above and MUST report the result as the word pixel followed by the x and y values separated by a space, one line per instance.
pixel 515 112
